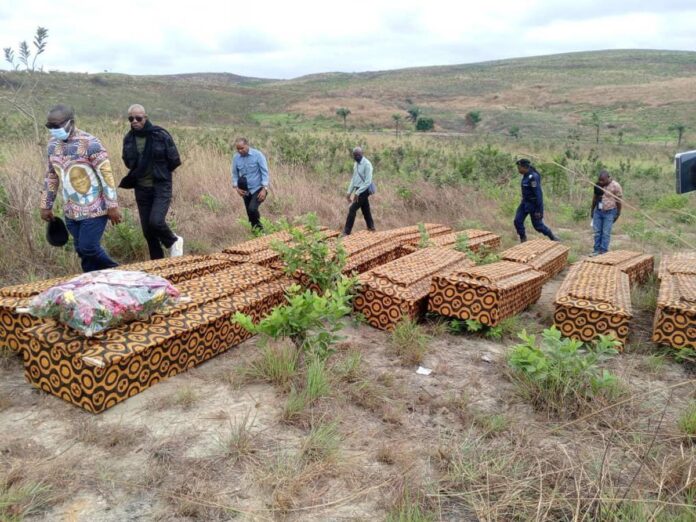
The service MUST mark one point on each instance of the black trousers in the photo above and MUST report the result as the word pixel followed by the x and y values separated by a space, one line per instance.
pixel 153 205
pixel 537 222
pixel 363 203
pixel 252 203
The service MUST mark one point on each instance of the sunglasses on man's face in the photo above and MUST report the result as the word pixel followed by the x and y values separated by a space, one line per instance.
pixel 51 125
pixel 136 118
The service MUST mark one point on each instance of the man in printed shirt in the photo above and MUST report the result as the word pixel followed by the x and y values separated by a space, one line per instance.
pixel 79 162
pixel 358 192
pixel 250 179
pixel 606 209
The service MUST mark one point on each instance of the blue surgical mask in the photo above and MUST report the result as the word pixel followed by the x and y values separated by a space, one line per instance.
pixel 59 134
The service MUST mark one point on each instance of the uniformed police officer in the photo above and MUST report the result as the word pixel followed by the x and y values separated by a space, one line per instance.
pixel 532 202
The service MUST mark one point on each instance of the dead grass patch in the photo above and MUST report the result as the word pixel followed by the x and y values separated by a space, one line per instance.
pixel 108 436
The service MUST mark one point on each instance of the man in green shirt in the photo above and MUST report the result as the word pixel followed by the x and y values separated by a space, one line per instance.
pixel 359 192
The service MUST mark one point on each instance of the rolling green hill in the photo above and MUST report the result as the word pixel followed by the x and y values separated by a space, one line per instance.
pixel 636 94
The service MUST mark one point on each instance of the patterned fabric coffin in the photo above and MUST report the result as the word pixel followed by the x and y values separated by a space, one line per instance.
pixel 675 316
pixel 98 372
pixel 260 251
pixel 366 250
pixel 487 294
pixel 543 255
pixel 477 239
pixel 638 266
pixel 399 289
pixel 175 269
pixel 681 262
pixel 594 299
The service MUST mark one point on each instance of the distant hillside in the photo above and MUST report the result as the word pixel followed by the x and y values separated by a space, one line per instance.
pixel 636 94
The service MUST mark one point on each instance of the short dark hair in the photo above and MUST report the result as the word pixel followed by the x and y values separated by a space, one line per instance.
pixel 65 112
pixel 524 162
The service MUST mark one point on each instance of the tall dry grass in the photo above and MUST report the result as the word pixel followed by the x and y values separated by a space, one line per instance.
pixel 206 211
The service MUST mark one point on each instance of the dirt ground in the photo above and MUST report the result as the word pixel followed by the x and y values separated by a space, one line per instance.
pixel 206 445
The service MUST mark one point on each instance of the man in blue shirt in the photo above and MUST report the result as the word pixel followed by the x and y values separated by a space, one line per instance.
pixel 359 192
pixel 250 179
pixel 532 202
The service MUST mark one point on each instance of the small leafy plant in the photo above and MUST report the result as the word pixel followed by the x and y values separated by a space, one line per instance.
pixel 424 240
pixel 309 320
pixel 482 256
pixel 562 375
pixel 497 332
pixel 310 254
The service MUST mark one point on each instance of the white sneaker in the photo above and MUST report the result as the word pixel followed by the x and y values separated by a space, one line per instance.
pixel 177 249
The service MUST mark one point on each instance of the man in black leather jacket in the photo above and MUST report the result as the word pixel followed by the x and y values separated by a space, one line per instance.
pixel 151 156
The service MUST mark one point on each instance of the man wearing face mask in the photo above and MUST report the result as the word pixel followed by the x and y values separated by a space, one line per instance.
pixel 151 156
pixel 79 162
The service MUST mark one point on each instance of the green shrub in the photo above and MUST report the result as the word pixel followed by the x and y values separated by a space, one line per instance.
pixel 505 328
pixel 562 375
pixel 483 256
pixel 309 320
pixel 211 203
pixel 425 124
pixel 672 201
pixel 404 193
pixel 309 253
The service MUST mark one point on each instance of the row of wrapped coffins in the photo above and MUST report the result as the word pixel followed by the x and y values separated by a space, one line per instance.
pixel 365 250
pixel 475 240
pixel 260 250
pixel 399 290
pixel 487 294
pixel 175 269
pixel 544 255
pixel 97 372
pixel 675 317
pixel 594 299
pixel 637 266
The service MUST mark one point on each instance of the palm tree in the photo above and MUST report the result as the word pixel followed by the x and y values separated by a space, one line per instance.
pixel 343 113
pixel 596 123
pixel 397 121
pixel 679 128
pixel 413 114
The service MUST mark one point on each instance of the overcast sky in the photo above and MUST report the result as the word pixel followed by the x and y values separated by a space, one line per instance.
pixel 274 39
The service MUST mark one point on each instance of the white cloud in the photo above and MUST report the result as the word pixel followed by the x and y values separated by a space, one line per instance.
pixel 287 39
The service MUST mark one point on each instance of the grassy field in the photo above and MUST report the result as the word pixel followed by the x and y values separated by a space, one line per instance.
pixel 260 434
pixel 636 93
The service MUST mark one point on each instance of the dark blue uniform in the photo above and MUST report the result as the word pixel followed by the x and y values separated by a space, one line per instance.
pixel 532 203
